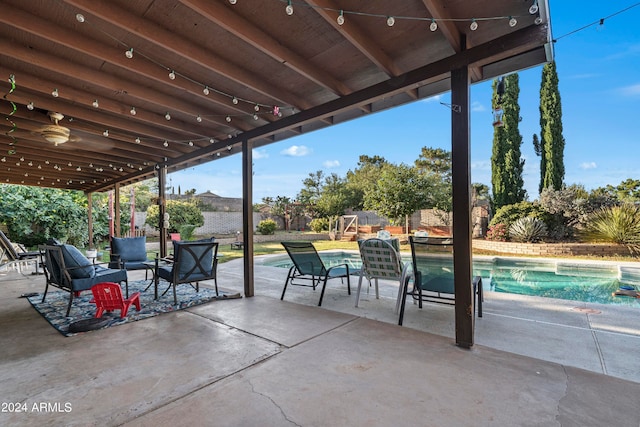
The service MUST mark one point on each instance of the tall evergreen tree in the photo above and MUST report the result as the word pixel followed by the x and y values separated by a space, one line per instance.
pixel 507 164
pixel 551 145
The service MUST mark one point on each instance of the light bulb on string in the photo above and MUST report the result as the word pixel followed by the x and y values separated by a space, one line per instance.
pixel 228 119
pixel 198 118
pixel 233 1
pixel 129 53
pixel 167 116
pixel 391 21
pixel 534 7
pixel 172 75
pixel 138 140
pixel 190 143
pixel 289 8
pixel 255 117
pixel 30 106
pixel 106 132
pixel 55 93
pixel 133 111
pixel 434 25
pixel 80 17
pixel 513 21
pixel 234 100
pixel 206 90
pixel 340 19
pixel 256 108
pixel 165 143
pixel 474 25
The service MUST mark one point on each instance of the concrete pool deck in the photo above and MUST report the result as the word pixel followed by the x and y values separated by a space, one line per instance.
pixel 264 362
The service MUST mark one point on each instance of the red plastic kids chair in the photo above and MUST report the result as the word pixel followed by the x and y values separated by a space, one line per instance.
pixel 107 296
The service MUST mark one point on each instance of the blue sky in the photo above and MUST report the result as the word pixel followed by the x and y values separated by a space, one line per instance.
pixel 600 91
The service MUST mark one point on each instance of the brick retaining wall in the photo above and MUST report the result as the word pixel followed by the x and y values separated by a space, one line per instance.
pixel 552 249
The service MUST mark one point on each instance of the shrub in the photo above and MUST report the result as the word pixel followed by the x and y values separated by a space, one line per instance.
pixel 186 231
pixel 319 225
pixel 508 214
pixel 527 229
pixel 616 224
pixel 497 232
pixel 180 213
pixel 267 226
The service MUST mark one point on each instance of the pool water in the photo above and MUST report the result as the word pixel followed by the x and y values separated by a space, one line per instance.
pixel 545 278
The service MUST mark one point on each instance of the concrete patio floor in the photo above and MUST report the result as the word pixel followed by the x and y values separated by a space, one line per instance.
pixel 264 362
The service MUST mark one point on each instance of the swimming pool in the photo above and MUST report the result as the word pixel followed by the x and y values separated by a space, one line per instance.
pixel 569 280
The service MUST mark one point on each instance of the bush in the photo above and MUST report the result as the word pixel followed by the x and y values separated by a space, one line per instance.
pixel 616 224
pixel 180 213
pixel 267 226
pixel 508 214
pixel 527 229
pixel 497 232
pixel 319 225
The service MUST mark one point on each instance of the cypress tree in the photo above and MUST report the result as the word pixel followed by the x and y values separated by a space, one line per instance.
pixel 506 163
pixel 551 145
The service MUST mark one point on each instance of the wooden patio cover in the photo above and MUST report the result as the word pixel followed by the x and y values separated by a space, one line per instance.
pixel 147 87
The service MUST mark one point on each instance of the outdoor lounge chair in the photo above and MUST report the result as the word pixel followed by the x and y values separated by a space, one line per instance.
pixel 15 254
pixel 307 265
pixel 193 262
pixel 66 268
pixel 129 253
pixel 381 260
pixel 432 260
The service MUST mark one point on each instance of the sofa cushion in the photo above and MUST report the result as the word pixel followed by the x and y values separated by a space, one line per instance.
pixel 130 248
pixel 79 266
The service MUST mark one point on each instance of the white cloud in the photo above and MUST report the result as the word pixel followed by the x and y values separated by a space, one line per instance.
pixel 477 107
pixel 260 154
pixel 436 98
pixel 632 90
pixel 588 165
pixel 331 164
pixel 296 151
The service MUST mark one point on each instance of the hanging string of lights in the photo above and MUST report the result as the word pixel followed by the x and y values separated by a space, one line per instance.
pixel 391 19
pixel 9 133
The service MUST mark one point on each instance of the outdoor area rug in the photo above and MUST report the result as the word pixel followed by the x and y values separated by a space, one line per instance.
pixel 55 306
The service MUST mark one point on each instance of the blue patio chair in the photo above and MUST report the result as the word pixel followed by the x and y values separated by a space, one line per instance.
pixel 193 262
pixel 66 268
pixel 432 260
pixel 308 266
pixel 130 253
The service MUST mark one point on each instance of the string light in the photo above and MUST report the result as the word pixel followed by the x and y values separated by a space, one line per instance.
pixel 534 7
pixel 95 103
pixel 106 132
pixel 129 53
pixel 434 25
pixel 55 93
pixel 30 106
pixel 391 21
pixel 167 116
pixel 172 75
pixel 234 100
pixel 289 8
pixel 228 119
pixel 474 25
pixel 80 17
pixel 138 140
pixel 206 90
pixel 233 1
pixel 340 19
pixel 165 143
pixel 133 111
pixel 513 21
pixel 198 118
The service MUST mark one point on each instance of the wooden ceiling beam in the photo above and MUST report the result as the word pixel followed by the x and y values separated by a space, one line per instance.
pixel 167 40
pixel 24 21
pixel 356 37
pixel 264 42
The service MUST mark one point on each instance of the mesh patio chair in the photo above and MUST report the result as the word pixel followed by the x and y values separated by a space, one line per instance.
pixel 432 260
pixel 381 260
pixel 308 266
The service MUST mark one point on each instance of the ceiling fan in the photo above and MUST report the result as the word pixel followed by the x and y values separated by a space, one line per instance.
pixel 55 133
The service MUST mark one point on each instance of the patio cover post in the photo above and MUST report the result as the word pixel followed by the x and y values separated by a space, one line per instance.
pixel 247 215
pixel 116 210
pixel 90 218
pixel 162 180
pixel 461 180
